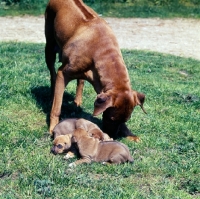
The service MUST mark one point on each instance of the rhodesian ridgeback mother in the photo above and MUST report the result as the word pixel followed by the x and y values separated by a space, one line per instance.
pixel 89 51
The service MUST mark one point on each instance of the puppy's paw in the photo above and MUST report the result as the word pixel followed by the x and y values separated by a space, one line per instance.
pixel 72 165
pixel 106 163
pixel 68 155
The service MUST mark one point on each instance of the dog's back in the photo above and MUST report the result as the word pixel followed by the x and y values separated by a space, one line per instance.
pixel 65 17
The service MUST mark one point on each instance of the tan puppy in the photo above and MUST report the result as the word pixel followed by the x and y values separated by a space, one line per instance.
pixel 63 144
pixel 92 129
pixel 92 149
pixel 88 51
pixel 63 133
pixel 68 126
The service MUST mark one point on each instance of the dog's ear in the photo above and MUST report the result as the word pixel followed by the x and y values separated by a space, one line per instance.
pixel 102 102
pixel 139 99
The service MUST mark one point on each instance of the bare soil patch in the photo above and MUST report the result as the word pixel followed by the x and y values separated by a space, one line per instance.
pixel 174 36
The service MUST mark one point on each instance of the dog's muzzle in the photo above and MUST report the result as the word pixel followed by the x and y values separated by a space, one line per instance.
pixel 53 151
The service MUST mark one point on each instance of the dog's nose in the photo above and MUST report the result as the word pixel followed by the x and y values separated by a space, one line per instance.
pixel 53 151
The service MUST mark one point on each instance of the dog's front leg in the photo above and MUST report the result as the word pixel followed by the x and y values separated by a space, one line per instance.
pixel 61 83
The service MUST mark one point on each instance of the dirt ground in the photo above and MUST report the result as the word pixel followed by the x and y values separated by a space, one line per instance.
pixel 174 36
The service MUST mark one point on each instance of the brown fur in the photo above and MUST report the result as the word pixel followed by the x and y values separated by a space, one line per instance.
pixel 92 129
pixel 92 149
pixel 88 51
pixel 63 133
pixel 62 144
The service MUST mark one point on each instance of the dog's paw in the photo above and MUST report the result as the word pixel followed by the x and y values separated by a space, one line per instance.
pixel 134 138
pixel 72 165
pixel 78 102
pixel 68 156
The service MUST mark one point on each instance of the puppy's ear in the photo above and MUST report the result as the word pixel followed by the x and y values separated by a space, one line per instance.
pixel 102 102
pixel 139 98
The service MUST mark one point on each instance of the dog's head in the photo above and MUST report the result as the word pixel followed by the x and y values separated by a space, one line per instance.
pixel 61 144
pixel 120 104
pixel 117 109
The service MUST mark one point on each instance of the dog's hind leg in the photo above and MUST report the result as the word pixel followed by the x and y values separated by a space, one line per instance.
pixel 79 92
pixel 118 158
pixel 51 48
pixel 50 56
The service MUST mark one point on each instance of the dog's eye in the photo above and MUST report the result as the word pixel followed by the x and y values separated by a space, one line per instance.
pixel 59 146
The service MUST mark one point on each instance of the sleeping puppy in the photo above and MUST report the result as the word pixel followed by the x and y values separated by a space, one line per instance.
pixel 63 133
pixel 92 129
pixel 63 144
pixel 92 149
pixel 68 126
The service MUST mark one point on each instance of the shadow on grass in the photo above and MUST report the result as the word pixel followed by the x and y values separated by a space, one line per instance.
pixel 42 95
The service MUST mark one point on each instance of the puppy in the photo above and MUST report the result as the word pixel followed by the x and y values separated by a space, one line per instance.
pixel 92 149
pixel 63 133
pixel 92 129
pixel 63 144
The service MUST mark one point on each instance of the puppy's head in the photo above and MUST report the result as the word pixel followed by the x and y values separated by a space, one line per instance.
pixel 79 134
pixel 96 133
pixel 61 144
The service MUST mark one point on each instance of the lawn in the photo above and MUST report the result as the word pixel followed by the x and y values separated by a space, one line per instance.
pixel 166 161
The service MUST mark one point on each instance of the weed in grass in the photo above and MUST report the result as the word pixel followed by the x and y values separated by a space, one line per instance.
pixel 166 161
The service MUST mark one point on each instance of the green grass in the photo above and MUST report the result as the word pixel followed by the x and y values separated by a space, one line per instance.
pixel 116 8
pixel 166 160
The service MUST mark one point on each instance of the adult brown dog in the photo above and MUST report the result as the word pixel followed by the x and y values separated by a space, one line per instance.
pixel 88 51
pixel 63 133
pixel 92 149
